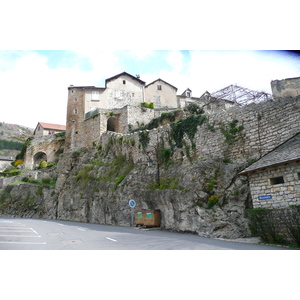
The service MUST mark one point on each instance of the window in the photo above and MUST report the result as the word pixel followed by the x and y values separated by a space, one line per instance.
pixel 159 87
pixel 119 94
pixel 95 95
pixel 277 180
pixel 124 81
pixel 132 94
pixel 156 101
pixel 75 111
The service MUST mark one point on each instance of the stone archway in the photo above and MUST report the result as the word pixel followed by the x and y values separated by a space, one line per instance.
pixel 38 157
pixel 113 124
pixel 56 155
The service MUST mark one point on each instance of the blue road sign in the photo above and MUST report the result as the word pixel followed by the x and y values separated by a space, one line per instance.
pixel 265 197
pixel 132 203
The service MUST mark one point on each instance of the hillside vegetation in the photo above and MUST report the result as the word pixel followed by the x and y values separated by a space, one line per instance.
pixel 12 137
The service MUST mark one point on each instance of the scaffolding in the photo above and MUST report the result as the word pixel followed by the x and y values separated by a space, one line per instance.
pixel 241 95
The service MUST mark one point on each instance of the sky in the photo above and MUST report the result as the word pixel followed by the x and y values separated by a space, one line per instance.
pixel 36 81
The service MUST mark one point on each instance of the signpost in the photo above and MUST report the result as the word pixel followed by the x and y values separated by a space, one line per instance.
pixel 132 204
pixel 266 197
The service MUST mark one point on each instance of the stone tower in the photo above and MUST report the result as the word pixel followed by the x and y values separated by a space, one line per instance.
pixel 75 116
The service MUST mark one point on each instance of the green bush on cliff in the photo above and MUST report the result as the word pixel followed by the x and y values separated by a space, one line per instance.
pixel 43 164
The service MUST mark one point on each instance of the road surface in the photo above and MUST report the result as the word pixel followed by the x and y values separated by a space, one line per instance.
pixel 39 234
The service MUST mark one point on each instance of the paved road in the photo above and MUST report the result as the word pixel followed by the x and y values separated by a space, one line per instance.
pixel 38 234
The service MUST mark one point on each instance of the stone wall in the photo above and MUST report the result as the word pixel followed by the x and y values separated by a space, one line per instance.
pixel 264 126
pixel 286 87
pixel 276 195
pixel 51 146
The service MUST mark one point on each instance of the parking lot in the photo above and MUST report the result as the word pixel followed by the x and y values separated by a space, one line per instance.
pixel 17 233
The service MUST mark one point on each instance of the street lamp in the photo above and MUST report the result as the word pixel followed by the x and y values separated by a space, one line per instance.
pixel 150 162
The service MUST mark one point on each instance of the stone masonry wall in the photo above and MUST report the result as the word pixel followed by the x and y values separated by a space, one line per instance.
pixel 51 145
pixel 265 126
pixel 286 87
pixel 276 195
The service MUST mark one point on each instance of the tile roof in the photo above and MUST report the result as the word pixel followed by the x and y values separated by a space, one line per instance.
pixel 52 126
pixel 162 81
pixel 122 74
pixel 289 151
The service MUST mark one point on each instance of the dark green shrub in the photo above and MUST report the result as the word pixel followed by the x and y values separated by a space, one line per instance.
pixel 291 217
pixel 212 200
pixel 265 223
pixel 147 105
pixel 194 109
pixel 46 180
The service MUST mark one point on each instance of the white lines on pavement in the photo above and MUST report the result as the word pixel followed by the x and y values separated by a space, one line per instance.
pixel 82 229
pixel 33 230
pixel 12 226
pixel 31 236
pixel 15 231
pixel 24 243
pixel 60 224
pixel 111 239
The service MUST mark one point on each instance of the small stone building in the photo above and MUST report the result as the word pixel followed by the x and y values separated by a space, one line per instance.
pixel 275 178
pixel 47 128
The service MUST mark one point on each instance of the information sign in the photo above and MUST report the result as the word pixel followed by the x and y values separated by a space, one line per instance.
pixel 266 197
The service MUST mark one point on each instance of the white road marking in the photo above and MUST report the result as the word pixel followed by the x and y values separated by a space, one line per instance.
pixel 111 239
pixel 13 231
pixel 23 243
pixel 60 224
pixel 34 231
pixel 20 235
pixel 11 226
pixel 81 229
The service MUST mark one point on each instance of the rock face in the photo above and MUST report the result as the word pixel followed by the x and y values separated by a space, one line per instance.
pixel 28 201
pixel 88 191
pixel 199 188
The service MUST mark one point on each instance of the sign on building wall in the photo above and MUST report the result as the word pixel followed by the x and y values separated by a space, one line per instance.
pixel 266 197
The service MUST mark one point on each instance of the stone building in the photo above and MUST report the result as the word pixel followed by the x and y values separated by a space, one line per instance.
pixel 47 128
pixel 117 107
pixel 275 178
pixel 162 94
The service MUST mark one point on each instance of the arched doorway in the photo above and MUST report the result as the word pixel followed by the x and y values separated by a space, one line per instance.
pixel 113 124
pixel 56 155
pixel 38 157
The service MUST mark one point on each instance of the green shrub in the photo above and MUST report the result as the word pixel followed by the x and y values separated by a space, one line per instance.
pixel 43 164
pixel 194 109
pixel 147 105
pixel 10 171
pixel 119 179
pixel 212 200
pixel 46 180
pixel 265 223
pixel 32 180
pixel 169 183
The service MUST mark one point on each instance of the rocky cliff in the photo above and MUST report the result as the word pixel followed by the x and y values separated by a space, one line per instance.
pixel 199 158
